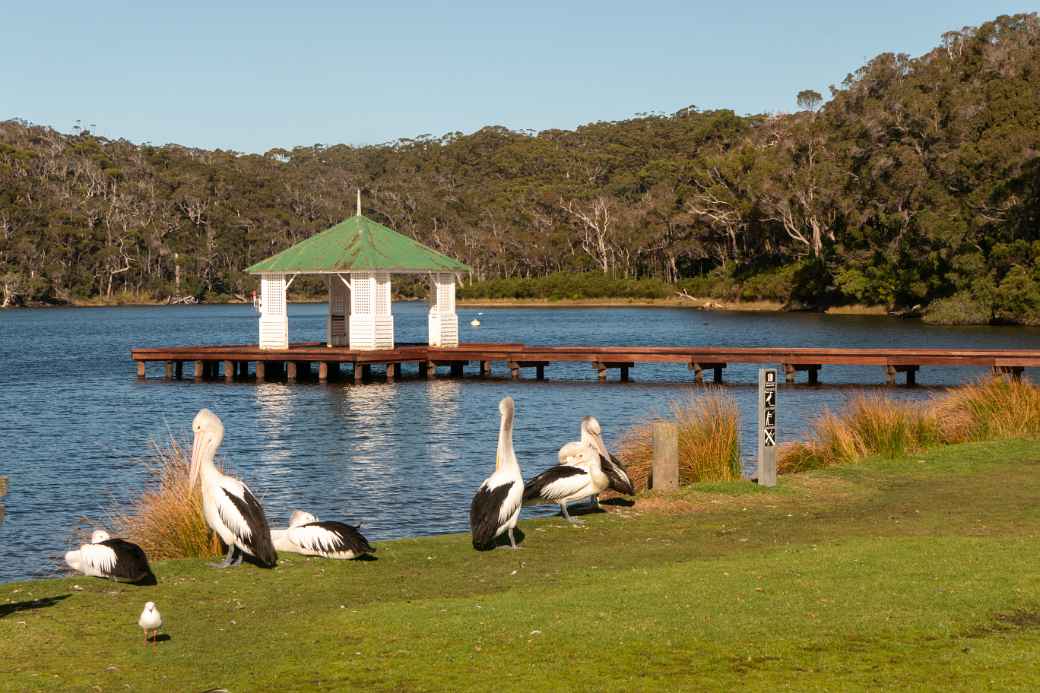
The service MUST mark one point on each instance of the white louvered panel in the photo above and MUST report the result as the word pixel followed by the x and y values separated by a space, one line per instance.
pixel 274 332
pixel 362 332
pixel 443 322
pixel 384 331
pixel 339 304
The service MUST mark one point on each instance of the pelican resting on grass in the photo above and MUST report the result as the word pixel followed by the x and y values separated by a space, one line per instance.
pixel 230 508
pixel 496 506
pixel 309 536
pixel 581 478
pixel 150 622
pixel 592 435
pixel 115 559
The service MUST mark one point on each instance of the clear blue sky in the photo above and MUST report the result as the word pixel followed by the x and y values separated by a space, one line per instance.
pixel 251 76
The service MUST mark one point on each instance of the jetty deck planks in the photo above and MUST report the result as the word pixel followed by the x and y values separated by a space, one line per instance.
pixel 294 363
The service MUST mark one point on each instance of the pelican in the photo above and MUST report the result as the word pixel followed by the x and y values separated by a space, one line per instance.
pixel 231 509
pixel 116 559
pixel 150 622
pixel 592 435
pixel 582 477
pixel 496 506
pixel 309 536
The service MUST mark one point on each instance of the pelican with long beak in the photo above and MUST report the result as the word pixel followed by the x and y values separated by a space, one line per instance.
pixel 592 435
pixel 115 559
pixel 310 536
pixel 230 508
pixel 496 506
pixel 581 478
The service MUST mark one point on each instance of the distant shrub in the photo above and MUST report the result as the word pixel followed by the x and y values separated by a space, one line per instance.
pixel 709 441
pixel 566 286
pixel 1017 298
pixel 959 309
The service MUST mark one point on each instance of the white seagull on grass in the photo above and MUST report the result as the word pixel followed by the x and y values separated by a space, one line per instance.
pixel 150 622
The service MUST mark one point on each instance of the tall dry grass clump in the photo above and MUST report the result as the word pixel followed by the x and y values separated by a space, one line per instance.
pixel 709 441
pixel 166 519
pixel 992 409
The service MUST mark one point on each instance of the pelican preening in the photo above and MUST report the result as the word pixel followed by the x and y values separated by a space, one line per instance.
pixel 496 506
pixel 592 435
pixel 582 477
pixel 115 559
pixel 150 622
pixel 311 537
pixel 231 509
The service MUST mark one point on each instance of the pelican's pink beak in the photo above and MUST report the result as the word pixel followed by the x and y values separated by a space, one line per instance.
pixel 196 453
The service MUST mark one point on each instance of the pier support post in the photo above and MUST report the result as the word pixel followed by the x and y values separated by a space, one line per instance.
pixel 539 372
pixel 178 370
pixel 323 371
pixel 601 371
pixel 391 372
pixel 243 369
pixel 814 374
pixel 261 371
pixel 485 369
pixel 424 369
pixel 140 370
pixel 514 370
pixel 789 373
pixel 168 370
pixel 624 374
pixel 909 371
pixel 229 371
pixel 456 368
pixel 911 376
pixel 290 371
pixel 698 372
pixel 890 375
pixel 1012 372
pixel 717 375
pixel 665 469
pixel 199 370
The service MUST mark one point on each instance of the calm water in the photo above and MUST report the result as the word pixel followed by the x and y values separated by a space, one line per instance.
pixel 403 458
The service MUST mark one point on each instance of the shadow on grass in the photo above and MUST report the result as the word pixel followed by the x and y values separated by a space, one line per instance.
pixel 43 603
pixel 503 540
pixel 618 502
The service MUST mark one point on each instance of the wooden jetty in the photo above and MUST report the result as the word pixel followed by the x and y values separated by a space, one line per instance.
pixel 317 361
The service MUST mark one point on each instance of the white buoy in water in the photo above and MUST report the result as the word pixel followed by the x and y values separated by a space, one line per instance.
pixel 474 322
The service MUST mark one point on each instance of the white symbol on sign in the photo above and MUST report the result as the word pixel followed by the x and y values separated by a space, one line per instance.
pixel 770 437
pixel 770 376
pixel 770 398
pixel 770 417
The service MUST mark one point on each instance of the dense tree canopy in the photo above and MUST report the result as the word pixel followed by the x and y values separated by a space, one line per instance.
pixel 917 182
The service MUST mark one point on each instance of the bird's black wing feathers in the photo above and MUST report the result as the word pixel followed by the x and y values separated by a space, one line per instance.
pixel 131 562
pixel 484 513
pixel 533 488
pixel 615 471
pixel 348 538
pixel 260 541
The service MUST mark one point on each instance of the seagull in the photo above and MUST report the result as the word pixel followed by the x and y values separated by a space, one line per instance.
pixel 150 622
pixel 496 505
pixel 115 559
pixel 230 508
pixel 592 434
pixel 581 478
pixel 311 537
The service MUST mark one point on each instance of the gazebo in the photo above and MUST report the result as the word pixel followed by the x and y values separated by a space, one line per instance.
pixel 357 257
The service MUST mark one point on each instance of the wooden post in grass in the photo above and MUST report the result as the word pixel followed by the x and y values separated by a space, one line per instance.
pixel 767 426
pixel 665 471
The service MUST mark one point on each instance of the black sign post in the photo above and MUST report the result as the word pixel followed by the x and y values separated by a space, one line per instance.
pixel 767 426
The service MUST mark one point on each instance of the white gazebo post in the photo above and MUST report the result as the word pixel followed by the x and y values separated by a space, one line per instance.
pixel 371 322
pixel 274 316
pixel 339 309
pixel 443 322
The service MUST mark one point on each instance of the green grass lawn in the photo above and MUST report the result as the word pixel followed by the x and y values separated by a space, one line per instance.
pixel 914 573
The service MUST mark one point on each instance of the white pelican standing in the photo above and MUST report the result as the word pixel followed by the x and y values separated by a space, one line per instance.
pixel 592 434
pixel 581 478
pixel 150 622
pixel 496 506
pixel 231 509
pixel 311 537
pixel 115 559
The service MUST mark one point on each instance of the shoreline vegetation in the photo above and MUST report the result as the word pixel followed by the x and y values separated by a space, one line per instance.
pixel 724 584
pixel 913 185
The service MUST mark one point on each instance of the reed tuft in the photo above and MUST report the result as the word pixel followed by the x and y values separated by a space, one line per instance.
pixel 709 441
pixel 991 409
pixel 166 520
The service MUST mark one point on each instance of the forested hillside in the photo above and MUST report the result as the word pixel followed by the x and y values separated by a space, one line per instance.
pixel 916 183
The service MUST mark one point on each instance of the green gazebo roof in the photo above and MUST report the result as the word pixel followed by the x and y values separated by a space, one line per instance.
pixel 358 244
